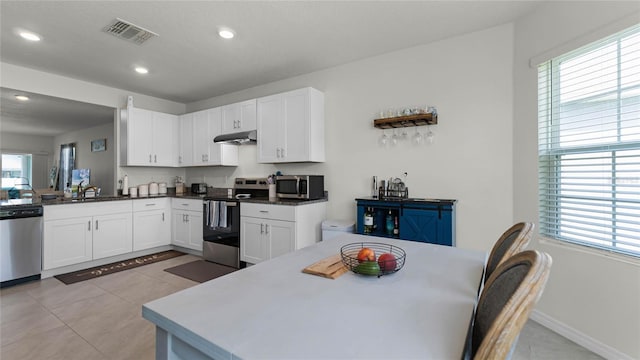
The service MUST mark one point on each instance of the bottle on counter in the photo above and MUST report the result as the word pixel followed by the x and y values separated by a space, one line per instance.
pixel 67 191
pixel 396 228
pixel 389 223
pixel 368 221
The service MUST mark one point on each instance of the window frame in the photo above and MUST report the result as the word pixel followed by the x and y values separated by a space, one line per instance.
pixel 550 157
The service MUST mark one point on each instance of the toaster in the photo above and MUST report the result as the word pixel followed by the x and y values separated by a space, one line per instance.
pixel 199 188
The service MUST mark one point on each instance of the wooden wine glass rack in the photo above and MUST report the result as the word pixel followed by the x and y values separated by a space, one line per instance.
pixel 406 121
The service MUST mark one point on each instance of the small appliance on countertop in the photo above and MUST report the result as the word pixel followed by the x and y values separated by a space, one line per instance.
pixel 199 188
pixel 307 187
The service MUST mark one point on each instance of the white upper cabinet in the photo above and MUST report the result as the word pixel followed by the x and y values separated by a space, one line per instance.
pixel 239 117
pixel 148 137
pixel 204 123
pixel 185 152
pixel 291 127
pixel 206 126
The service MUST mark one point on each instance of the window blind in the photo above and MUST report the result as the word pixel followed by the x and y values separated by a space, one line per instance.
pixel 589 144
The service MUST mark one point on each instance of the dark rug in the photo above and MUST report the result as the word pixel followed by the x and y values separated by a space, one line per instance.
pixel 86 274
pixel 200 270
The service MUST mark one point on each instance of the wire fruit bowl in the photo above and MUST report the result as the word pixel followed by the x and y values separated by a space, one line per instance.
pixel 377 267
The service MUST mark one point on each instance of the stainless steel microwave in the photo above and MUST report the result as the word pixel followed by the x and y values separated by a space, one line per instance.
pixel 306 187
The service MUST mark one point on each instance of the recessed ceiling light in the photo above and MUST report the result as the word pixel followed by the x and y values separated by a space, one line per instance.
pixel 142 70
pixel 22 97
pixel 226 33
pixel 30 36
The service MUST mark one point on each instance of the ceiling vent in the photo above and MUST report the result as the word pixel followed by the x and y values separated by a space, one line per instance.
pixel 127 31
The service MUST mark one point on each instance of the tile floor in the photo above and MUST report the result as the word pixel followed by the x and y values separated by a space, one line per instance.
pixel 101 319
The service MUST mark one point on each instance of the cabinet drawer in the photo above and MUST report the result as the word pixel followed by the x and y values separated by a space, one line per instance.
pixel 150 204
pixel 186 204
pixel 275 212
pixel 68 211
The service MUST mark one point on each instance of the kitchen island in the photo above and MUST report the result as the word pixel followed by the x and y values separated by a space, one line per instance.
pixel 273 310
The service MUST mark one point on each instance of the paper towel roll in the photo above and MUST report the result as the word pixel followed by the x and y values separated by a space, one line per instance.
pixel 125 185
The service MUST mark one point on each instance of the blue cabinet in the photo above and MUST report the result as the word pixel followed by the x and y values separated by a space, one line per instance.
pixel 431 221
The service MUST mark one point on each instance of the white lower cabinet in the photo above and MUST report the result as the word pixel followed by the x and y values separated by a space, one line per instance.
pixel 267 231
pixel 151 223
pixel 112 235
pixel 187 223
pixel 76 233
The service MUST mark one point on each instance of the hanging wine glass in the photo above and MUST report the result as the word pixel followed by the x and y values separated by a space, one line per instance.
pixel 404 134
pixel 430 135
pixel 417 137
pixel 384 139
pixel 394 138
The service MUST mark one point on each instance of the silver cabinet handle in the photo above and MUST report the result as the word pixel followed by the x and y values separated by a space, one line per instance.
pixel 180 159
pixel 149 157
pixel 266 227
pixel 162 216
pixel 282 153
pixel 261 228
pixel 149 204
pixel 96 225
pixel 155 158
pixel 186 216
pixel 89 225
pixel 264 211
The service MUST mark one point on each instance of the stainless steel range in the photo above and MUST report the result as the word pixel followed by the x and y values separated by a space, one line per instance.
pixel 221 222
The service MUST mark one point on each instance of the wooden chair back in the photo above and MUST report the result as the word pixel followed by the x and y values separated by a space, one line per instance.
pixel 505 303
pixel 512 241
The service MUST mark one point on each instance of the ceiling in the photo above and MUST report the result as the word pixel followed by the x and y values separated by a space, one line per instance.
pixel 188 61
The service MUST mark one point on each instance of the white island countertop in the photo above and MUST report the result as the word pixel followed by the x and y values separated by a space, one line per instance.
pixel 273 310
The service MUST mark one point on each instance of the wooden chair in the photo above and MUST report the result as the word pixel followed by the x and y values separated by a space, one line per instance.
pixel 512 241
pixel 508 297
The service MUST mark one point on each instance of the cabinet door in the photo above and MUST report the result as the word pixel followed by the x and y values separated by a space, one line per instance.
pixel 140 137
pixel 253 245
pixel 112 235
pixel 215 150
pixel 296 118
pixel 150 229
pixel 185 157
pixel 269 129
pixel 248 115
pixel 194 222
pixel 239 117
pixel 180 234
pixel 67 242
pixel 230 118
pixel 421 225
pixel 281 237
pixel 201 137
pixel 164 139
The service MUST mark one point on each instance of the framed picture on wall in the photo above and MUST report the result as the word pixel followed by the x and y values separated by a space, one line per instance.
pixel 99 145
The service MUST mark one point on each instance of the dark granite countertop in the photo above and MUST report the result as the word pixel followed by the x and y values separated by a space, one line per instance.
pixel 18 203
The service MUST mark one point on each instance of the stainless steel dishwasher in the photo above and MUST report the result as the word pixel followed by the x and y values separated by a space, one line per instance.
pixel 20 244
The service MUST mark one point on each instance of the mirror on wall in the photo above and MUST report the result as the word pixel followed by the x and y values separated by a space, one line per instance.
pixel 37 124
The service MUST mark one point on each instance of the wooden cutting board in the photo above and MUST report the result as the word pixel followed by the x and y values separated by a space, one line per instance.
pixel 331 267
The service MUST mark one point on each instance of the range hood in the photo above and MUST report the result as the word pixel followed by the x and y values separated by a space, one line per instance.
pixel 239 138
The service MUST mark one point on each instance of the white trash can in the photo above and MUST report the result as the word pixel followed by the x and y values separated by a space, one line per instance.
pixel 333 228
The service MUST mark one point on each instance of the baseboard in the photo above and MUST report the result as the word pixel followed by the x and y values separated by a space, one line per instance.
pixel 579 338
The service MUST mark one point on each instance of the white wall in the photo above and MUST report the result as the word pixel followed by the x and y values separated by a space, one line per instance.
pixel 102 163
pixel 591 297
pixel 468 79
pixel 21 78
